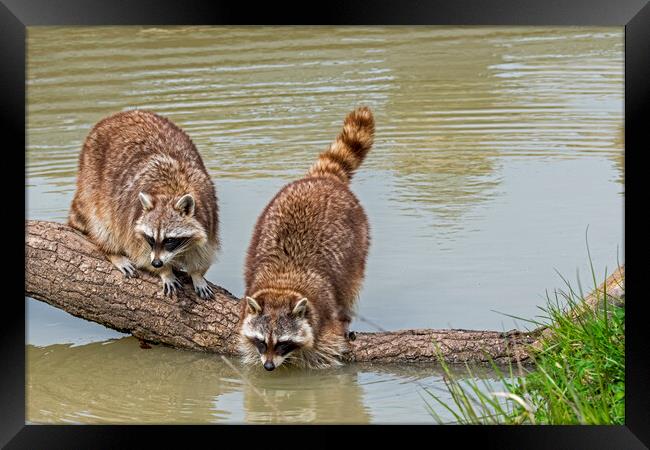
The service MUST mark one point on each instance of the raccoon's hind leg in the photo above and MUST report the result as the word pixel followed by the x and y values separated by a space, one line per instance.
pixel 345 315
pixel 76 219
pixel 200 285
pixel 124 265
pixel 345 318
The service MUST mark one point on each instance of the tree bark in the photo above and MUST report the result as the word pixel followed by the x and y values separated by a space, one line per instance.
pixel 66 270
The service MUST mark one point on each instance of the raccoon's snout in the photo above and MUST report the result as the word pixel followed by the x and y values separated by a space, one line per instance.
pixel 157 263
pixel 268 365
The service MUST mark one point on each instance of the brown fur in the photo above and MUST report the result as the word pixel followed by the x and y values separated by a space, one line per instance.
pixel 311 241
pixel 138 151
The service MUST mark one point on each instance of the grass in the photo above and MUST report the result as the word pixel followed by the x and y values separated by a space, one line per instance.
pixel 578 376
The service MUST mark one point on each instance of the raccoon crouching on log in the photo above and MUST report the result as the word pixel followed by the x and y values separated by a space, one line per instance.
pixel 306 260
pixel 145 198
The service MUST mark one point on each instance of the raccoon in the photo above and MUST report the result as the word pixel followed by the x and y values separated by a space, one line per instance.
pixel 145 198
pixel 306 260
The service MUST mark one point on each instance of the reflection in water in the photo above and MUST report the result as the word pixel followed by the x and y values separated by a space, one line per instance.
pixel 118 382
pixel 495 148
pixel 304 396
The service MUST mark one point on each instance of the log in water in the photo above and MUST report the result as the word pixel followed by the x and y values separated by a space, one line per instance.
pixel 66 270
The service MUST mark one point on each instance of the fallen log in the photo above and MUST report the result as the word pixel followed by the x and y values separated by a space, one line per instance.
pixel 67 271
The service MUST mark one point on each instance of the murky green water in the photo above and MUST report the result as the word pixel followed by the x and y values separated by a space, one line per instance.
pixel 495 149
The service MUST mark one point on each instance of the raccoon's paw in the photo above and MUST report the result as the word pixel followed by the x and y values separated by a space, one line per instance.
pixel 204 291
pixel 129 270
pixel 201 286
pixel 124 265
pixel 171 285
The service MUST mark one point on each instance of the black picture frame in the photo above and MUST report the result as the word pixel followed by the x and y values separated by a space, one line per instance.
pixel 634 15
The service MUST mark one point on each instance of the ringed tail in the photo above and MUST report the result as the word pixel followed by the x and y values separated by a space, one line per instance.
pixel 349 149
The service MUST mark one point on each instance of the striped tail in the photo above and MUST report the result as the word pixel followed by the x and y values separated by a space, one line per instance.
pixel 349 149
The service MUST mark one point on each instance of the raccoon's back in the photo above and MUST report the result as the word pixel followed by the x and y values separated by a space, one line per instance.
pixel 135 151
pixel 122 145
pixel 313 224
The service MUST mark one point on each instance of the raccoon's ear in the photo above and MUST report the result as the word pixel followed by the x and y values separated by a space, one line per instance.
pixel 253 306
pixel 146 201
pixel 185 205
pixel 300 309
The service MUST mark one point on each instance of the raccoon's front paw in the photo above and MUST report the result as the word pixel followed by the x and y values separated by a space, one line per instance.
pixel 129 270
pixel 171 285
pixel 204 291
pixel 124 265
pixel 201 286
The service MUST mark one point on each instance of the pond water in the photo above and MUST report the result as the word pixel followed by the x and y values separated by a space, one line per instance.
pixel 496 148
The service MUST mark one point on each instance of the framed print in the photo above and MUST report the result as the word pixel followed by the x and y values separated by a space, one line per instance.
pixel 411 214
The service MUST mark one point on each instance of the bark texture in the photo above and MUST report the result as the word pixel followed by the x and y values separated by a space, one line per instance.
pixel 66 270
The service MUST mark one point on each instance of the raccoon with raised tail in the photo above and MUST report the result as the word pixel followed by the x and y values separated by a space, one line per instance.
pixel 145 199
pixel 306 260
